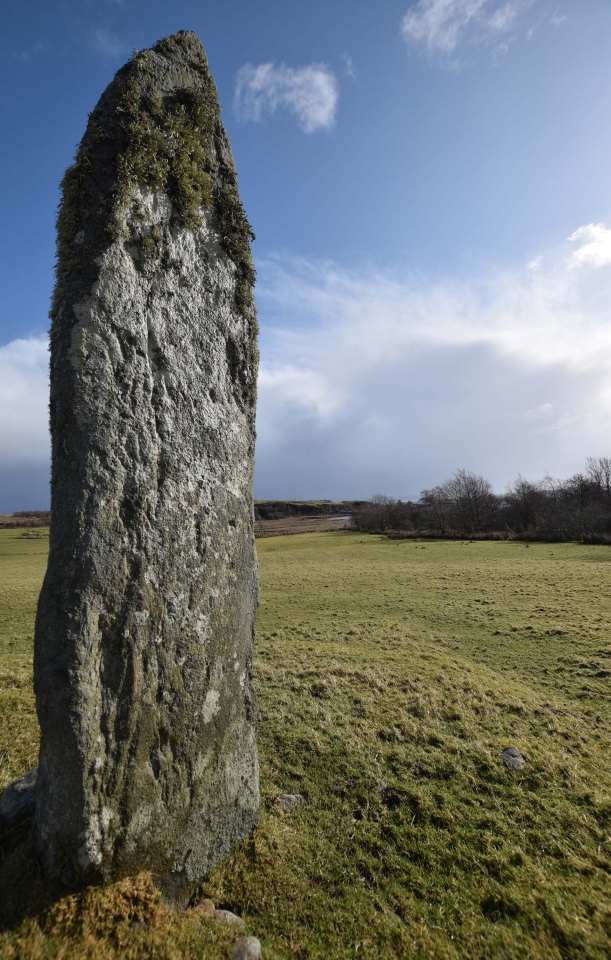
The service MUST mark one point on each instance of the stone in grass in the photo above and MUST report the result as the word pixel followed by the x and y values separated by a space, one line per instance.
pixel 246 948
pixel 145 626
pixel 18 802
pixel 226 916
pixel 205 907
pixel 512 758
pixel 289 801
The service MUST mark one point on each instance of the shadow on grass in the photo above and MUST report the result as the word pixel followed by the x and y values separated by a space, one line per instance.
pixel 22 892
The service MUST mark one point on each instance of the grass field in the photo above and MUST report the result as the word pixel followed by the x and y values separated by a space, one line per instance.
pixel 390 675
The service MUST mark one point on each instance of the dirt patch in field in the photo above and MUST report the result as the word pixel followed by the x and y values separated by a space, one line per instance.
pixel 290 525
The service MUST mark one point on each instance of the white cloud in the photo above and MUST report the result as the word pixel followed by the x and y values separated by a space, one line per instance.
pixel 311 93
pixel 24 395
pixel 595 246
pixel 379 381
pixel 107 43
pixel 443 25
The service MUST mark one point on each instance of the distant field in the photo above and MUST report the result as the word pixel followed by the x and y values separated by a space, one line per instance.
pixel 40 518
pixel 288 526
pixel 390 677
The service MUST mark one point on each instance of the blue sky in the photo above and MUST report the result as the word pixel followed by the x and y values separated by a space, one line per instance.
pixel 429 184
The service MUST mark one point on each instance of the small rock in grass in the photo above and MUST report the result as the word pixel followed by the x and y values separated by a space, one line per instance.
pixel 288 801
pixel 512 758
pixel 246 948
pixel 228 917
pixel 139 925
pixel 206 907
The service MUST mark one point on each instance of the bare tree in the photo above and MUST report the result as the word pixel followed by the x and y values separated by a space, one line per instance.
pixel 550 509
pixel 524 504
pixel 599 472
pixel 473 501
pixel 375 516
pixel 437 506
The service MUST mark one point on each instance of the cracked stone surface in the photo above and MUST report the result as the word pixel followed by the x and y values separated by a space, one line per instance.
pixel 145 625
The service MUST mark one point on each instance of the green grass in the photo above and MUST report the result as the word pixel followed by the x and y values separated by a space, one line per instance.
pixel 390 677
pixel 22 566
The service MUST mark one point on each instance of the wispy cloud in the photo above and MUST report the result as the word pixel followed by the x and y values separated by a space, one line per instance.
pixel 442 26
pixel 310 93
pixel 108 43
pixel 349 67
pixel 542 412
pixel 535 264
pixel 557 18
pixel 27 56
pixel 382 382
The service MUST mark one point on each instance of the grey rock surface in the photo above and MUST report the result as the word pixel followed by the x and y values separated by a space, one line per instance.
pixel 246 948
pixel 512 758
pixel 226 916
pixel 145 625
pixel 18 802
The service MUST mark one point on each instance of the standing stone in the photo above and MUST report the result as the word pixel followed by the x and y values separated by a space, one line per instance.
pixel 145 624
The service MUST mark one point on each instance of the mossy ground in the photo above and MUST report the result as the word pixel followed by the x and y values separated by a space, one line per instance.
pixel 390 677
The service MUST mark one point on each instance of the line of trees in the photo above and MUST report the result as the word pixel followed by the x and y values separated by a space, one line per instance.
pixel 578 508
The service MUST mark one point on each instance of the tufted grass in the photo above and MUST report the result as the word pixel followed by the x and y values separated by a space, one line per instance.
pixel 390 677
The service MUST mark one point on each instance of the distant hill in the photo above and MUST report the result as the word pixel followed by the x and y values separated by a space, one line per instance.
pixel 26 518
pixel 280 509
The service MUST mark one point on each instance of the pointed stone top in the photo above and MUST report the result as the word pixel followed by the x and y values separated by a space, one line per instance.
pixel 157 125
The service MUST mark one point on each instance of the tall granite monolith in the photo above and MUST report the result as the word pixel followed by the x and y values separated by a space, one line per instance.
pixel 145 625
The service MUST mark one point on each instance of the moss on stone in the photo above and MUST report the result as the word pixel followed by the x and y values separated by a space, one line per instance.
pixel 148 131
pixel 168 147
pixel 236 233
